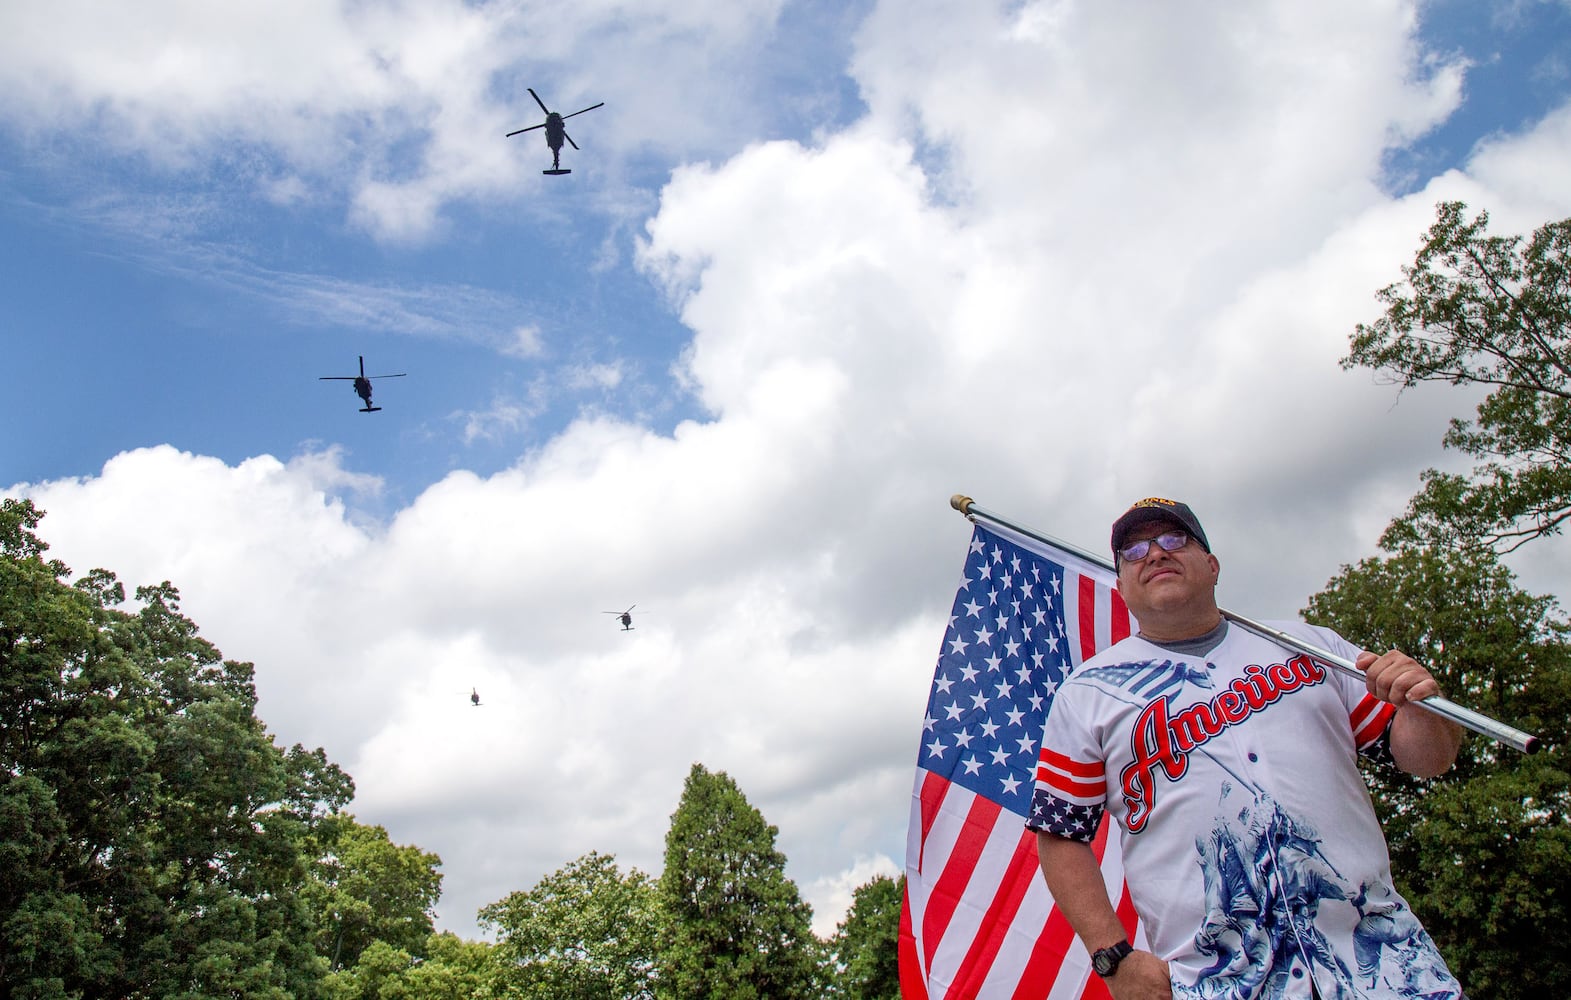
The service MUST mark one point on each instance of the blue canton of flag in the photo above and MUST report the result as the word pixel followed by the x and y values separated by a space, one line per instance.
pixel 1004 654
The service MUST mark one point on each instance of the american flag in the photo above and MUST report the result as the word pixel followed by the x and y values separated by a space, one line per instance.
pixel 977 919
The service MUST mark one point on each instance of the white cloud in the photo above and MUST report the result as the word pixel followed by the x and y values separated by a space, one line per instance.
pixel 526 343
pixel 1131 267
pixel 1515 177
pixel 504 416
pixel 287 189
pixel 838 891
pixel 593 376
pixel 400 107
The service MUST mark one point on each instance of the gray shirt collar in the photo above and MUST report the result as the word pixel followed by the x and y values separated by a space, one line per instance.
pixel 1199 646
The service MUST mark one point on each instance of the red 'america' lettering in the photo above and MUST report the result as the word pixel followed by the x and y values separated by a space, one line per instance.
pixel 1158 739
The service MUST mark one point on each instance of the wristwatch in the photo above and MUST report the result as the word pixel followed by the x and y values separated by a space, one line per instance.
pixel 1105 960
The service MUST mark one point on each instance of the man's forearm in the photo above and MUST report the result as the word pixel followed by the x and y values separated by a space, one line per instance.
pixel 1075 879
pixel 1422 743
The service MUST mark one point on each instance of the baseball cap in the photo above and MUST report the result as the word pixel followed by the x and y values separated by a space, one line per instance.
pixel 1157 509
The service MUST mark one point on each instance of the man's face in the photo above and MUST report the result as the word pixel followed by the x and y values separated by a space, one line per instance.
pixel 1167 583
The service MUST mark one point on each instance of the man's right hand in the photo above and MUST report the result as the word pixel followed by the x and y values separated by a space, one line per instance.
pixel 1140 976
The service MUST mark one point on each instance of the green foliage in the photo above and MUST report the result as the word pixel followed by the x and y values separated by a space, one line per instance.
pixel 365 888
pixel 584 932
pixel 453 969
pixel 1477 309
pixel 1495 887
pixel 866 942
pixel 152 833
pixel 379 970
pixel 1482 852
pixel 736 926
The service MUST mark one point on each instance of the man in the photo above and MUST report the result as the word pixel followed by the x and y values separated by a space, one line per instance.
pixel 1250 845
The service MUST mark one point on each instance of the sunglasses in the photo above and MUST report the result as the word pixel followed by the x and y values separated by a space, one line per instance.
pixel 1168 541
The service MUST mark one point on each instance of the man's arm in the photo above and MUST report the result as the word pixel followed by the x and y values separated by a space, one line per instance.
pixel 1075 879
pixel 1423 743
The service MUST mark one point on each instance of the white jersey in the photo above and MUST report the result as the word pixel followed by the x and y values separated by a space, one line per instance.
pixel 1250 845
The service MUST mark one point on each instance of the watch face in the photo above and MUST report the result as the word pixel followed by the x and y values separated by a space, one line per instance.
pixel 1105 961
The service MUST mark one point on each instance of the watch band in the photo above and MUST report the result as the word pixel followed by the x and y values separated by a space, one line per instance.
pixel 1105 960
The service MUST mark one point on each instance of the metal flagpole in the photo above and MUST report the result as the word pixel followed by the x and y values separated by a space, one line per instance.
pixel 1466 717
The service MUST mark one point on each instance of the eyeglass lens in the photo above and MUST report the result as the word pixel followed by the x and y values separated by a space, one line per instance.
pixel 1170 541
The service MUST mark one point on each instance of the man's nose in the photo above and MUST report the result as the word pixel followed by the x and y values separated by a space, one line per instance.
pixel 1155 552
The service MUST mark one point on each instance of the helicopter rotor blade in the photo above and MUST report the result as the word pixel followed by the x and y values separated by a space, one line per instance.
pixel 522 130
pixel 336 378
pixel 399 375
pixel 538 100
pixel 590 108
pixel 569 139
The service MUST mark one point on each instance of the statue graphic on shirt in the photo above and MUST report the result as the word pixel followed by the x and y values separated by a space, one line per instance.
pixel 1265 877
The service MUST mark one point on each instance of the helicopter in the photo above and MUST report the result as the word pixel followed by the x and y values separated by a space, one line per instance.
pixel 362 384
pixel 625 617
pixel 474 697
pixel 555 132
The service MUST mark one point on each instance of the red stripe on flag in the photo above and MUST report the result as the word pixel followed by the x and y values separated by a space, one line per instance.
pixel 1022 871
pixel 933 787
pixel 947 891
pixel 1047 957
pixel 1087 609
pixel 1126 913
pixel 1120 622
pixel 913 986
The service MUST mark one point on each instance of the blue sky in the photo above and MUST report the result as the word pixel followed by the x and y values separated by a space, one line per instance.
pixel 817 267
pixel 169 303
pixel 201 337
pixel 1520 67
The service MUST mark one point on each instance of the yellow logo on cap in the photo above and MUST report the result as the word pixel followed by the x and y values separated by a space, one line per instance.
pixel 1153 502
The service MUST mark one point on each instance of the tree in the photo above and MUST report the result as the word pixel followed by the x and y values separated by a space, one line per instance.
pixel 1484 310
pixel 584 932
pixel 452 968
pixel 150 831
pixel 1483 853
pixel 736 926
pixel 866 942
pixel 365 888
